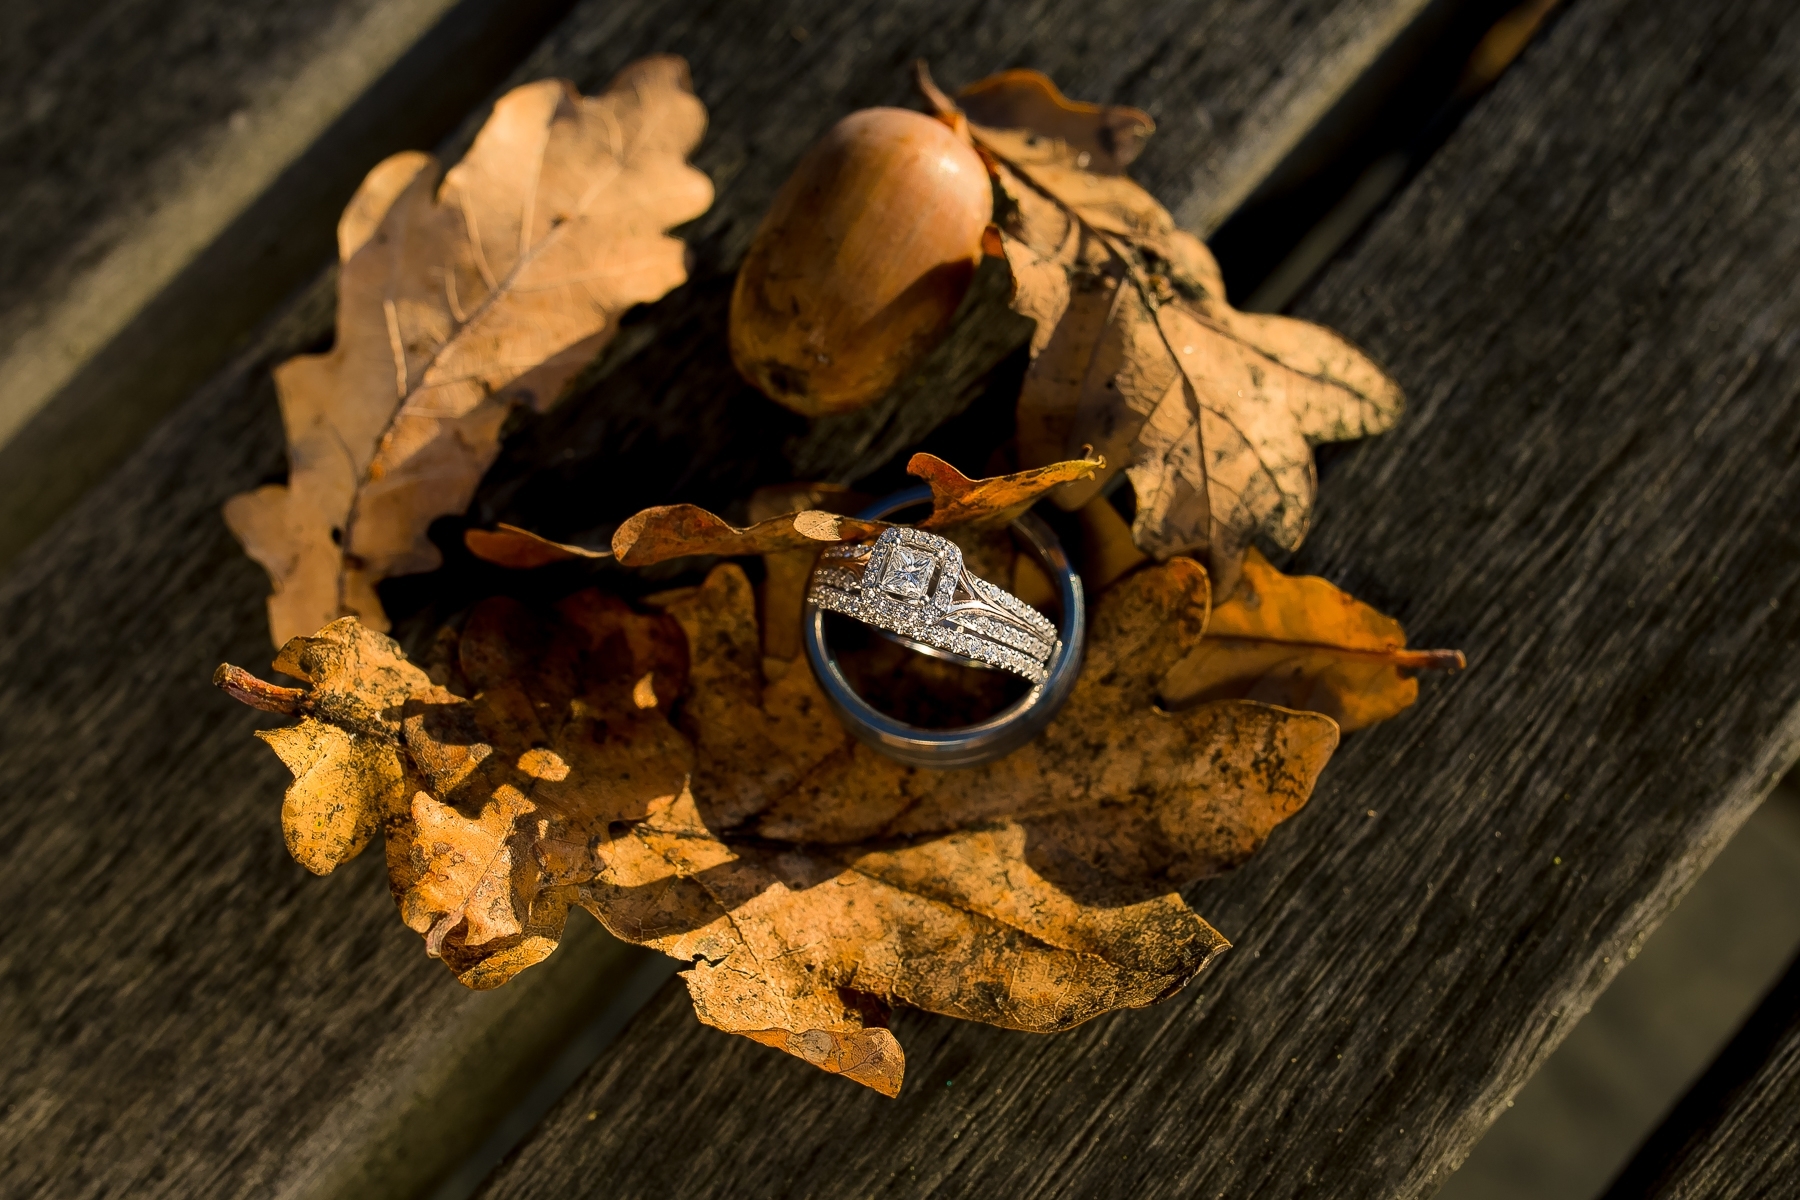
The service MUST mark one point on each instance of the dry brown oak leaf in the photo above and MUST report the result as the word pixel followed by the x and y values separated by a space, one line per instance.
pixel 490 806
pixel 1210 412
pixel 522 550
pixel 1298 641
pixel 344 754
pixel 1293 640
pixel 461 296
pixel 809 881
pixel 655 535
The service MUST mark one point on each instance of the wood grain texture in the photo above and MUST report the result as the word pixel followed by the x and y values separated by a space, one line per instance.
pixel 1592 297
pixel 104 108
pixel 171 171
pixel 183 1010
pixel 1732 1135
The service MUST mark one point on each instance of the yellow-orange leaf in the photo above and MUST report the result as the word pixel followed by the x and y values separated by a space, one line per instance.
pixel 347 766
pixel 463 869
pixel 460 297
pixel 957 500
pixel 509 546
pixel 1300 642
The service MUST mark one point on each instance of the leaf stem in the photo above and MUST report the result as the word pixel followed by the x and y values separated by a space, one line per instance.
pixel 246 688
pixel 1411 660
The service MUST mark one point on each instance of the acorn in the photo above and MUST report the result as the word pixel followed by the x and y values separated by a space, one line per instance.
pixel 858 268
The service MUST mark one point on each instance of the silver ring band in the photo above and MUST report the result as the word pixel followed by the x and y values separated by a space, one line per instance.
pixel 912 586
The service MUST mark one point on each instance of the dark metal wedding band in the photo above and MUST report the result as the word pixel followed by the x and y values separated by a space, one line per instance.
pixel 913 587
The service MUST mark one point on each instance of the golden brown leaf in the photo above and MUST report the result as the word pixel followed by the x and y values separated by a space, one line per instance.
pixel 344 753
pixel 463 869
pixel 807 880
pixel 509 546
pixel 1300 642
pixel 1033 893
pixel 342 784
pixel 1210 412
pixel 457 300
pixel 678 530
pixel 957 500
pixel 493 809
pixel 1104 139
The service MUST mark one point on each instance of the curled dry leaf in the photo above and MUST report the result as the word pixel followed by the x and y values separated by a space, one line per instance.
pixel 460 298
pixel 1103 139
pixel 1300 642
pixel 678 530
pixel 958 501
pixel 1210 412
pixel 348 771
pixel 808 881
pixel 509 546
pixel 656 535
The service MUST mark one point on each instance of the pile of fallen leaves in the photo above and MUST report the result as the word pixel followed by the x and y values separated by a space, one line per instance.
pixel 670 765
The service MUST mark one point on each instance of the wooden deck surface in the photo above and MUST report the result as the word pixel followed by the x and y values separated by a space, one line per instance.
pixel 183 1010
pixel 170 172
pixel 1592 296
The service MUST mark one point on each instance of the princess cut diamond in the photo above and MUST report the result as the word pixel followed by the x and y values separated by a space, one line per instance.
pixel 908 573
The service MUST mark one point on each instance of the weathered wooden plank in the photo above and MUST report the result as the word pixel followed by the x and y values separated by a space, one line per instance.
pixel 1591 296
pixel 170 172
pixel 183 1011
pixel 1733 1133
pixel 111 109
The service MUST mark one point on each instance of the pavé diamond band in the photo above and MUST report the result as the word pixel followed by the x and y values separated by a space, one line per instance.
pixel 914 587
pixel 914 584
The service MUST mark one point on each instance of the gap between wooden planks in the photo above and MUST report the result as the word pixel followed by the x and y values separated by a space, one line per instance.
pixel 1732 1134
pixel 179 175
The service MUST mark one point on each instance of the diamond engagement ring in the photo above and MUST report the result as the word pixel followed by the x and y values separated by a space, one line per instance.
pixel 913 587
pixel 914 584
